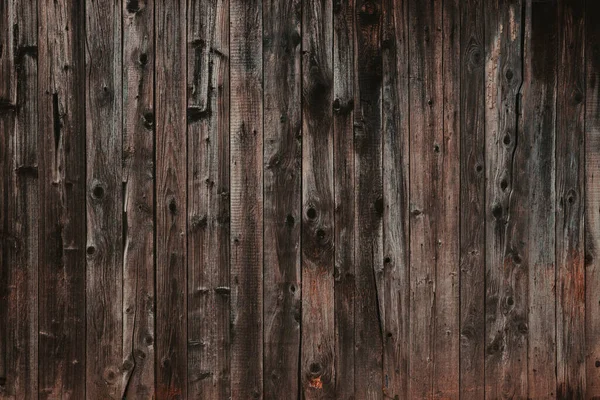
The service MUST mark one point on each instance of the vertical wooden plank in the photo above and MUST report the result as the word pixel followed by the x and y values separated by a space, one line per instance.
pixel 446 288
pixel 506 279
pixel 246 130
pixel 396 155
pixel 592 199
pixel 105 374
pixel 434 194
pixel 318 325
pixel 19 202
pixel 282 195
pixel 62 270
pixel 343 170
pixel 208 199
pixel 138 198
pixel 368 200
pixel 171 205
pixel 570 285
pixel 472 182
pixel 533 199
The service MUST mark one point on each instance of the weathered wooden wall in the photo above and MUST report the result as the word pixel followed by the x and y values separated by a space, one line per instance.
pixel 278 199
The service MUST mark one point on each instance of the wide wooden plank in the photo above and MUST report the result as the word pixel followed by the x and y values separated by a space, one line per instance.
pixel 62 271
pixel 396 156
pixel 318 326
pixel 434 195
pixel 282 195
pixel 208 199
pixel 19 201
pixel 570 192
pixel 533 199
pixel 171 204
pixel 506 283
pixel 592 199
pixel 105 375
pixel 246 135
pixel 368 197
pixel 343 170
pixel 138 199
pixel 472 202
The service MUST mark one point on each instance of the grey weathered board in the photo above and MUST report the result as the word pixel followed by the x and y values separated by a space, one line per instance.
pixel 277 199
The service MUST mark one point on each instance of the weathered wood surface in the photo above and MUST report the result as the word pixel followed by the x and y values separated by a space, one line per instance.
pixel 353 199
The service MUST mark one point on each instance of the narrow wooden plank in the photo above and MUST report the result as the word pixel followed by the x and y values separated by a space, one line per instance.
pixel 434 198
pixel 343 170
pixel 533 199
pixel 592 199
pixel 19 202
pixel 396 156
pixel 246 130
pixel 138 198
pixel 506 282
pixel 318 325
pixel 570 176
pixel 282 196
pixel 446 376
pixel 472 202
pixel 62 321
pixel 368 192
pixel 105 375
pixel 208 199
pixel 171 204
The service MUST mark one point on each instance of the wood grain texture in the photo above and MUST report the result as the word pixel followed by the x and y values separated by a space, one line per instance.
pixel 282 195
pixel 106 373
pixel 592 200
pixel 208 199
pixel 138 199
pixel 19 202
pixel 62 252
pixel 506 277
pixel 534 197
pixel 472 200
pixel 246 135
pixel 318 325
pixel 343 170
pixel 570 195
pixel 171 204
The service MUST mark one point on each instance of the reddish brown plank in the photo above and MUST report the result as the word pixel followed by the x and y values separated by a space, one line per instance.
pixel 282 195
pixel 570 192
pixel 138 198
pixel 62 266
pixel 171 204
pixel 208 199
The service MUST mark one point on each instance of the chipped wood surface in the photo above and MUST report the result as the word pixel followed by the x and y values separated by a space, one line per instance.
pixel 311 199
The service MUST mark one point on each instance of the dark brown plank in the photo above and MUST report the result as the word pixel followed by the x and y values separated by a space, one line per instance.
pixel 62 263
pixel 246 130
pixel 105 374
pixel 396 156
pixel 368 192
pixel 208 199
pixel 138 198
pixel 171 204
pixel 343 170
pixel 19 203
pixel 318 325
pixel 506 282
pixel 533 199
pixel 434 197
pixel 570 177
pixel 592 199
pixel 472 199
pixel 282 196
